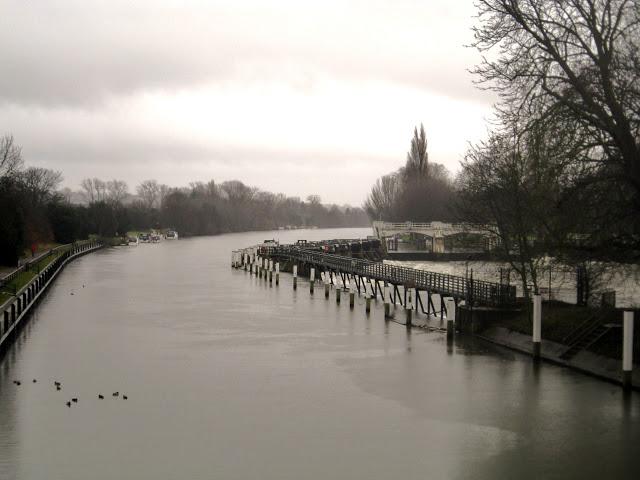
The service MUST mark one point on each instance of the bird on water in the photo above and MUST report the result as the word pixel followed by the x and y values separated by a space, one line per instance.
pixel 124 397
pixel 115 394
pixel 101 397
pixel 74 400
pixel 69 404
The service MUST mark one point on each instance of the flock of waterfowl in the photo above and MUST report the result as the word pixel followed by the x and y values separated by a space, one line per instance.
pixel 58 386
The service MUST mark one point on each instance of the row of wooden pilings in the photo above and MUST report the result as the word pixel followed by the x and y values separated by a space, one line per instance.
pixel 263 267
pixel 15 309
pixel 266 268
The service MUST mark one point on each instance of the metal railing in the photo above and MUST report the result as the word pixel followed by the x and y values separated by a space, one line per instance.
pixel 473 291
pixel 15 308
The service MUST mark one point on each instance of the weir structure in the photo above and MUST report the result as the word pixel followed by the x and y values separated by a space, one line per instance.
pixel 15 310
pixel 435 231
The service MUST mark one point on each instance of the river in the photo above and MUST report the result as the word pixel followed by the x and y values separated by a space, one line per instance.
pixel 228 378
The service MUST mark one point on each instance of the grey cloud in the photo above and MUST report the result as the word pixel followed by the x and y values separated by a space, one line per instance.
pixel 80 53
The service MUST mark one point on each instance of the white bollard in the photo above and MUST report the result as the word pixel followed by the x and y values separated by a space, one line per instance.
pixel 295 277
pixel 450 304
pixel 627 350
pixel 408 310
pixel 537 325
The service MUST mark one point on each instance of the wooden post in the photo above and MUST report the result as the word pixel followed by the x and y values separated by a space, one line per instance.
pixel 295 277
pixel 387 303
pixel 627 350
pixel 367 304
pixel 352 294
pixel 451 315
pixel 338 296
pixel 277 274
pixel 326 285
pixel 537 325
pixel 312 277
pixel 408 309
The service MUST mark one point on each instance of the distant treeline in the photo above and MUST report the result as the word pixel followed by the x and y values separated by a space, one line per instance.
pixel 34 210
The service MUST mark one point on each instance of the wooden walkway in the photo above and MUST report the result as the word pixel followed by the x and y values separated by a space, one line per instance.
pixel 473 292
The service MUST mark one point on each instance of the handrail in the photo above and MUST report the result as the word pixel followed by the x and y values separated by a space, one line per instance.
pixel 72 252
pixel 473 291
pixel 17 307
pixel 440 226
pixel 27 264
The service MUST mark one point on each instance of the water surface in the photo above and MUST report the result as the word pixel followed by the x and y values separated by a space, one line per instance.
pixel 229 378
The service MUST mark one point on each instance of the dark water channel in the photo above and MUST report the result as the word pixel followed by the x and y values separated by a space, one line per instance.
pixel 228 378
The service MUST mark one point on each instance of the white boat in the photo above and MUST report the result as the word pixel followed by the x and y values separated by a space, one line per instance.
pixel 132 241
pixel 171 235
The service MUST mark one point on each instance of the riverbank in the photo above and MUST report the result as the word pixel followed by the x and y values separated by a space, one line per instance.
pixel 599 366
pixel 29 285
pixel 579 337
pixel 9 288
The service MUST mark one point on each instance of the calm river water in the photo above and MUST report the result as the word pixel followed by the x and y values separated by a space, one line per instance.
pixel 228 378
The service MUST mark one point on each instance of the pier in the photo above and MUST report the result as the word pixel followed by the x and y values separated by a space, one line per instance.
pixel 391 282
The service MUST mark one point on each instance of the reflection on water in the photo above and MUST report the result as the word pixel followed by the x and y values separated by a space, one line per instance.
pixel 229 378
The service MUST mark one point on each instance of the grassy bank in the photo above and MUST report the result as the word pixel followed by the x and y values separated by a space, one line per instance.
pixel 25 277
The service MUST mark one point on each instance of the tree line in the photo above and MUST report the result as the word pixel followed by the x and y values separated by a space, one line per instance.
pixel 559 173
pixel 34 210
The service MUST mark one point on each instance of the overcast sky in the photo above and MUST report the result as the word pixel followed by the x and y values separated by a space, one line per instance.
pixel 295 96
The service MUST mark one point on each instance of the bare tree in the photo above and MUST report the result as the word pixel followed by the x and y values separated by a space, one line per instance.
pixel 237 192
pixel 94 190
pixel 117 191
pixel 163 191
pixel 66 194
pixel 314 199
pixel 578 60
pixel 149 192
pixel 40 183
pixel 417 166
pixel 514 184
pixel 381 202
pixel 10 157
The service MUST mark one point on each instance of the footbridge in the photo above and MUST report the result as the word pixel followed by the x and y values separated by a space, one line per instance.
pixel 436 231
pixel 367 274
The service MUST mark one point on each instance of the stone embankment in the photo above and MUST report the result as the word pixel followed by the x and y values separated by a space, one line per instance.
pixel 16 309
